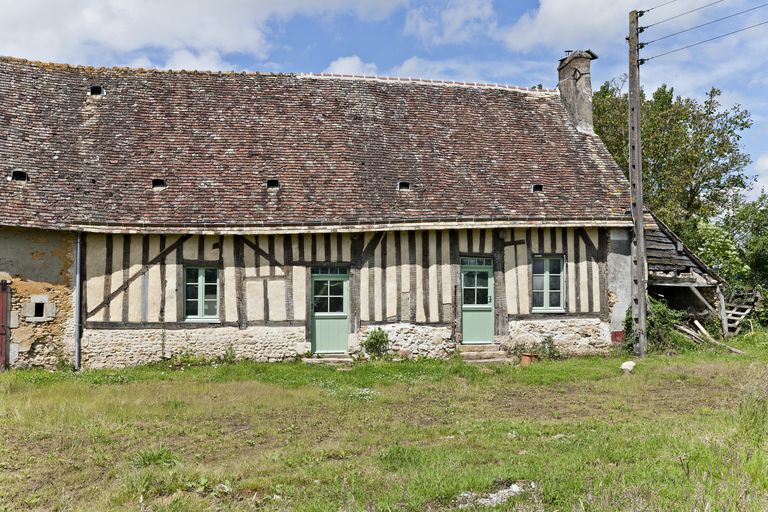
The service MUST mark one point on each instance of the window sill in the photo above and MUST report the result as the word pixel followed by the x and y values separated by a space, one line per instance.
pixel 554 311
pixel 202 320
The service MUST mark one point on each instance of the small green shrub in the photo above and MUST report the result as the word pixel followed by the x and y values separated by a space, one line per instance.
pixel 661 332
pixel 228 357
pixel 548 349
pixel 376 343
pixel 159 457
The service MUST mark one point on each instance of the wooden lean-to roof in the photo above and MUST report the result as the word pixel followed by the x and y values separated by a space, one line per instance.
pixel 337 145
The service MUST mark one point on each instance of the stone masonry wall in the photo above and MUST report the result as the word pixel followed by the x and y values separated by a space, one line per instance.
pixel 571 336
pixel 39 264
pixel 413 340
pixel 120 348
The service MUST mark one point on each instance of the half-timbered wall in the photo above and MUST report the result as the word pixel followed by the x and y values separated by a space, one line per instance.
pixel 396 276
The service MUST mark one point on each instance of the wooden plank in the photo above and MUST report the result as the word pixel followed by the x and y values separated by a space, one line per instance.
pixel 702 299
pixel 240 298
pixel 712 340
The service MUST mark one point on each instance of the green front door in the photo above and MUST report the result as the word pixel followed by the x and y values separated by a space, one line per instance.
pixel 330 310
pixel 477 300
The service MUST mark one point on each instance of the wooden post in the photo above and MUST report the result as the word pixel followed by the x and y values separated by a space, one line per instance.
pixel 639 281
pixel 721 310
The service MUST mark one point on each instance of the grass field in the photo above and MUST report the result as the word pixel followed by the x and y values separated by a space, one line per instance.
pixel 686 432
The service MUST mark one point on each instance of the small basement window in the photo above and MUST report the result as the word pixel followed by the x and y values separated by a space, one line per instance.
pixel 537 187
pixel 39 309
pixel 97 90
pixel 158 184
pixel 273 184
pixel 19 176
pixel 404 185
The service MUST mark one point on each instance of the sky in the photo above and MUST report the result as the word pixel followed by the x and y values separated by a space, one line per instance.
pixel 515 42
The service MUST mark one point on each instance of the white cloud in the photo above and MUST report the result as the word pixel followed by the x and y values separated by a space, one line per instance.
pixel 523 72
pixel 167 33
pixel 761 171
pixel 184 59
pixel 352 65
pixel 450 21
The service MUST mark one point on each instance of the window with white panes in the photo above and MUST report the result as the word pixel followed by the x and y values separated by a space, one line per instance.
pixel 548 284
pixel 201 293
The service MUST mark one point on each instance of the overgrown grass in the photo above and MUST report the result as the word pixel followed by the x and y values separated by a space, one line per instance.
pixel 681 433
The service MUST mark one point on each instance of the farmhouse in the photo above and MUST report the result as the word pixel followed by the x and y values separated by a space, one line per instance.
pixel 147 213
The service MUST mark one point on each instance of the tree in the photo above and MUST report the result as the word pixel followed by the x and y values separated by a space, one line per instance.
pixel 747 221
pixel 693 164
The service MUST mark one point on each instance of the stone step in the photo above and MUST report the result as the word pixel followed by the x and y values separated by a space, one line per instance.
pixel 486 347
pixel 490 361
pixel 329 359
pixel 473 356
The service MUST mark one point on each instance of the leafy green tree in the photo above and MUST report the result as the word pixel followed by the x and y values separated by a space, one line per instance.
pixel 719 251
pixel 693 163
pixel 748 223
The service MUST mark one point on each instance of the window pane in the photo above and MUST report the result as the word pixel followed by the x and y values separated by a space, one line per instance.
pixel 538 265
pixel 190 275
pixel 211 291
pixel 554 283
pixel 192 291
pixel 554 265
pixel 191 309
pixel 337 288
pixel 465 261
pixel 482 295
pixel 469 279
pixel 211 275
pixel 554 299
pixel 482 279
pixel 469 296
pixel 486 262
pixel 538 299
pixel 321 287
pixel 538 282
pixel 321 304
pixel 336 305
pixel 210 308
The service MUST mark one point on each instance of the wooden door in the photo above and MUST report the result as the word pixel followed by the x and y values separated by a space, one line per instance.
pixel 330 310
pixel 477 300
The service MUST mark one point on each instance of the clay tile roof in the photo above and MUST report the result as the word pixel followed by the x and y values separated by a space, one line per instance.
pixel 338 145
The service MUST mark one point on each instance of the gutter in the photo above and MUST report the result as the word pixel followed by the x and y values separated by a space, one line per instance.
pixel 78 297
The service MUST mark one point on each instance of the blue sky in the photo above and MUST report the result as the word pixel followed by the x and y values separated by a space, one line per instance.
pixel 515 41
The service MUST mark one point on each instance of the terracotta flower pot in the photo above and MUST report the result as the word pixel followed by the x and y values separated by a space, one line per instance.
pixel 526 359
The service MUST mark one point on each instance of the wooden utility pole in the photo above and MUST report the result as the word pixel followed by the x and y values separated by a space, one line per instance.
pixel 639 277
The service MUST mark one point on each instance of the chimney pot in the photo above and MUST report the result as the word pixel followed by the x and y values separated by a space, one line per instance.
pixel 576 87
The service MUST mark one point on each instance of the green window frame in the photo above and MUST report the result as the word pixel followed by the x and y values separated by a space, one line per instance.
pixel 548 284
pixel 476 287
pixel 329 291
pixel 201 294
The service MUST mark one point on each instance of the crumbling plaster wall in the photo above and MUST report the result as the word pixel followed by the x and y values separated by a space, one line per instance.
pixel 39 262
pixel 619 279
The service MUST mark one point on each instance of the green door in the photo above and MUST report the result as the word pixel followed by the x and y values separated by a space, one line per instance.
pixel 477 300
pixel 330 310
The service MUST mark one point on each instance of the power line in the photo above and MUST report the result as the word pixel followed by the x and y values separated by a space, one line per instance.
pixel 705 24
pixel 643 61
pixel 656 7
pixel 682 14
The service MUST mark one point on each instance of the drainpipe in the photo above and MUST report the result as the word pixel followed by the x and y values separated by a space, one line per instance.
pixel 78 297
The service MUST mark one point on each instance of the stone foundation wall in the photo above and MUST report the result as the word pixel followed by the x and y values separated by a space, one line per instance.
pixel 413 340
pixel 571 336
pixel 120 348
